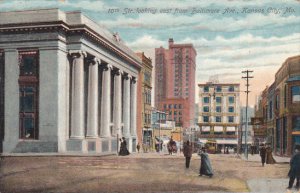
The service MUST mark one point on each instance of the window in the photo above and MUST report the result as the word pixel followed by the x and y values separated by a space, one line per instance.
pixel 270 110
pixel 231 109
pixel 170 106
pixel 219 100
pixel 28 64
pixel 232 133
pixel 206 100
pixel 277 101
pixel 219 89
pixel 206 109
pixel 28 94
pixel 175 106
pixel 218 119
pixel 231 89
pixel 230 119
pixel 278 135
pixel 179 106
pixel 218 109
pixel 205 119
pixel 175 112
pixel 206 89
pixel 165 106
pixel 231 99
pixel 170 112
pixel 295 94
pixel 285 96
pixel 296 123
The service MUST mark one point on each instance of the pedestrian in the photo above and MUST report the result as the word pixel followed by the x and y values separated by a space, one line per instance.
pixel 262 154
pixel 269 156
pixel 138 147
pixel 123 149
pixel 205 167
pixel 294 172
pixel 187 152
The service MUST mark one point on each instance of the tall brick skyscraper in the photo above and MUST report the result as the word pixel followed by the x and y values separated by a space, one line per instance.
pixel 175 70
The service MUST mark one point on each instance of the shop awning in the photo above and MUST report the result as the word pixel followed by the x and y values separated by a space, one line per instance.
pixel 227 142
pixel 202 140
pixel 218 129
pixel 206 128
pixel 230 129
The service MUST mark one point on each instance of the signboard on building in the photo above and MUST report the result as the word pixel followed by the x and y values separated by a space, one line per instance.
pixel 256 120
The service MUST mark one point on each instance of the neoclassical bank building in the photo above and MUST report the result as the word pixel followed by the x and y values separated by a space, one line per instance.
pixel 67 84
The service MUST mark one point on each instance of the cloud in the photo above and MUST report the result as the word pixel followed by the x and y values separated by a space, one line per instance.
pixel 95 6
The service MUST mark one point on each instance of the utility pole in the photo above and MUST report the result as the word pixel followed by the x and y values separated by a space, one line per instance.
pixel 247 77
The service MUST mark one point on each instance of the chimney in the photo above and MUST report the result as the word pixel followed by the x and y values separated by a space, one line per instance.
pixel 171 41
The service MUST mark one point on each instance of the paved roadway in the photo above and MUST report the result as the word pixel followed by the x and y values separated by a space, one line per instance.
pixel 144 172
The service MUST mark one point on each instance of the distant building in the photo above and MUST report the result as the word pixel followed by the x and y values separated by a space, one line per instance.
pixel 175 82
pixel 157 119
pixel 219 113
pixel 144 97
pixel 242 128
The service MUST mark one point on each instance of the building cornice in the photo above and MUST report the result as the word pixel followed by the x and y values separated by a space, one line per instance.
pixel 69 29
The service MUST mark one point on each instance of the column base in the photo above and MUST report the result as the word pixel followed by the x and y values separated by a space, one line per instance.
pixel 76 145
pixel 77 137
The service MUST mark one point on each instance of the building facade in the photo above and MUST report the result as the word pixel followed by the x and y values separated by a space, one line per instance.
pixel 69 84
pixel 279 108
pixel 219 113
pixel 145 92
pixel 175 80
pixel 287 106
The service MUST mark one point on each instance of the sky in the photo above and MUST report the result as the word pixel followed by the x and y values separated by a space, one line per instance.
pixel 229 35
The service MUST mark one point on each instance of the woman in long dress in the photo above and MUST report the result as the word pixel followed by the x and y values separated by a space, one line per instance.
pixel 123 147
pixel 205 167
pixel 269 156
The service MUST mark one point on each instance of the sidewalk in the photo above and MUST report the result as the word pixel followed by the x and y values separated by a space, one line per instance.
pixel 256 158
pixel 270 186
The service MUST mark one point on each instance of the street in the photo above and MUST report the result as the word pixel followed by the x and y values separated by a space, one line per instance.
pixel 144 172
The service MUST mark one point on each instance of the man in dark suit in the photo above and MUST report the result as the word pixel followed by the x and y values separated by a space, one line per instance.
pixel 262 154
pixel 294 172
pixel 187 152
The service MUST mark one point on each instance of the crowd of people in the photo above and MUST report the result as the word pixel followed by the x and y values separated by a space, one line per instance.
pixel 265 152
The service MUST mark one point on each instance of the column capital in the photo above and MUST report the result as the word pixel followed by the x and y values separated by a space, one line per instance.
pixel 107 66
pixel 77 53
pixel 94 60
pixel 118 72
pixel 127 76
pixel 134 80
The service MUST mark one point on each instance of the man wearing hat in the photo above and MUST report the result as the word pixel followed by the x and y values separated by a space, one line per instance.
pixel 294 172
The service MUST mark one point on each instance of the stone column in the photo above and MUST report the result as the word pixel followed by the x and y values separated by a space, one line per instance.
pixel 126 106
pixel 133 100
pixel 92 114
pixel 117 102
pixel 105 102
pixel 77 106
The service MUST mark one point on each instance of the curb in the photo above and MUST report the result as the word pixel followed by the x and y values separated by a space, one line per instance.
pixel 277 162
